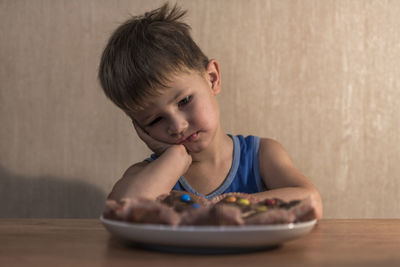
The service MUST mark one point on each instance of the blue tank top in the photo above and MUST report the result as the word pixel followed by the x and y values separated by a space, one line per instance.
pixel 244 175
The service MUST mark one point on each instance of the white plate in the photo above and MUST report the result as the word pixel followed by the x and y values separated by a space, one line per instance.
pixel 249 236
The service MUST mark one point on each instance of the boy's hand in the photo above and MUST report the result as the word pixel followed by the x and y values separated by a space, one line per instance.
pixel 155 145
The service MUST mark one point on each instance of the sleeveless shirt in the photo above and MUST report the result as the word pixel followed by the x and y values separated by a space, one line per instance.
pixel 244 174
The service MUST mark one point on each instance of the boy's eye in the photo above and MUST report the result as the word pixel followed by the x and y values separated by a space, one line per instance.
pixel 184 101
pixel 154 121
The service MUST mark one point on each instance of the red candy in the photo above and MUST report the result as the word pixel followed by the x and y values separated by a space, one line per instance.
pixel 270 202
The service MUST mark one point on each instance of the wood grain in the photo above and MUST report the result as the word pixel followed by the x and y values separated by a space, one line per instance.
pixel 84 242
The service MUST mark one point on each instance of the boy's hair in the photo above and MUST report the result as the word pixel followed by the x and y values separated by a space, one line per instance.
pixel 143 52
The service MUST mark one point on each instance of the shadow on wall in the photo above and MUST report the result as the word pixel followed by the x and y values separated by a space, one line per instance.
pixel 48 197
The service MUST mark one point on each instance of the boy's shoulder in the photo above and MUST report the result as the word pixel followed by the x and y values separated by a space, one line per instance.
pixel 264 144
pixel 271 151
pixel 269 143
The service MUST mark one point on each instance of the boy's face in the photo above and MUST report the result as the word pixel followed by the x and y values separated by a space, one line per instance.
pixel 186 112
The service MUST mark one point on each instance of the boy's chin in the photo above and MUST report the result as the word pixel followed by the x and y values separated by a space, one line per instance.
pixel 191 149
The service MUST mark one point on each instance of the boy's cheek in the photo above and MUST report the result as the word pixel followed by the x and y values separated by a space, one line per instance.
pixel 159 137
pixel 207 118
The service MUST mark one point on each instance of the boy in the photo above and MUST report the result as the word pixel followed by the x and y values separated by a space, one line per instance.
pixel 152 69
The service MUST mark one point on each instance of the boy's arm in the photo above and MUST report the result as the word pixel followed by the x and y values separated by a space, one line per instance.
pixel 282 179
pixel 151 179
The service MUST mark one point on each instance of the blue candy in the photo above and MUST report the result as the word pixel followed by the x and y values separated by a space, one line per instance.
pixel 195 205
pixel 185 198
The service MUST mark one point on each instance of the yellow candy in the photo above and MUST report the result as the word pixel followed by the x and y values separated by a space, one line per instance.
pixel 262 208
pixel 230 199
pixel 243 201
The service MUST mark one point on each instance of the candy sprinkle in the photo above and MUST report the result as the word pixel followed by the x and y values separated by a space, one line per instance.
pixel 195 205
pixel 185 198
pixel 243 201
pixel 262 208
pixel 230 199
pixel 270 202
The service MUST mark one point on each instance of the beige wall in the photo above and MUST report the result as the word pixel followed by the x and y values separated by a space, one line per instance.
pixel 322 77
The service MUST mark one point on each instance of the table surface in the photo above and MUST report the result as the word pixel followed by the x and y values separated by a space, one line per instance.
pixel 85 242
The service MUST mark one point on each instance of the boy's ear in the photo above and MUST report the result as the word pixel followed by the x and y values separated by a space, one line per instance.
pixel 214 76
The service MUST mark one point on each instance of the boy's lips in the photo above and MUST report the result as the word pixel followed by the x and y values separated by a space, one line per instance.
pixel 188 139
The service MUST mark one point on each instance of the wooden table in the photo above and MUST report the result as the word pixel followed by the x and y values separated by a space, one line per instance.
pixel 85 242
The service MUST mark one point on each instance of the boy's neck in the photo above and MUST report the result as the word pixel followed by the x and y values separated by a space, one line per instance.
pixel 210 167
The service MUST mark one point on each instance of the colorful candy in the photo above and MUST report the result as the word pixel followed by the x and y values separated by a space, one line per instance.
pixel 230 199
pixel 270 202
pixel 243 201
pixel 196 205
pixel 262 208
pixel 185 198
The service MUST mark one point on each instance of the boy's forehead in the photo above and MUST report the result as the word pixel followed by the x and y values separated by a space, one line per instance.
pixel 181 78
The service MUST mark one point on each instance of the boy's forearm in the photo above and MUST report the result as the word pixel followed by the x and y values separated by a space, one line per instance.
pixel 155 178
pixel 294 193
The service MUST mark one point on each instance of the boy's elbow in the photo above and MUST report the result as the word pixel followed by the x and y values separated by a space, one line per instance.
pixel 316 201
pixel 117 193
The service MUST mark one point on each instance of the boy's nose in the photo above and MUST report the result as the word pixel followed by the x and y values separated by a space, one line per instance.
pixel 177 126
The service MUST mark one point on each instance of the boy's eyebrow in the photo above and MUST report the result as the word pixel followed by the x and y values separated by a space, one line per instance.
pixel 176 97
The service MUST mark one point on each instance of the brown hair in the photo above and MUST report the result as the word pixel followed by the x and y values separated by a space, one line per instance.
pixel 142 52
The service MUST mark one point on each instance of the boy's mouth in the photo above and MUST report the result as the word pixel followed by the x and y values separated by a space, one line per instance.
pixel 188 139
